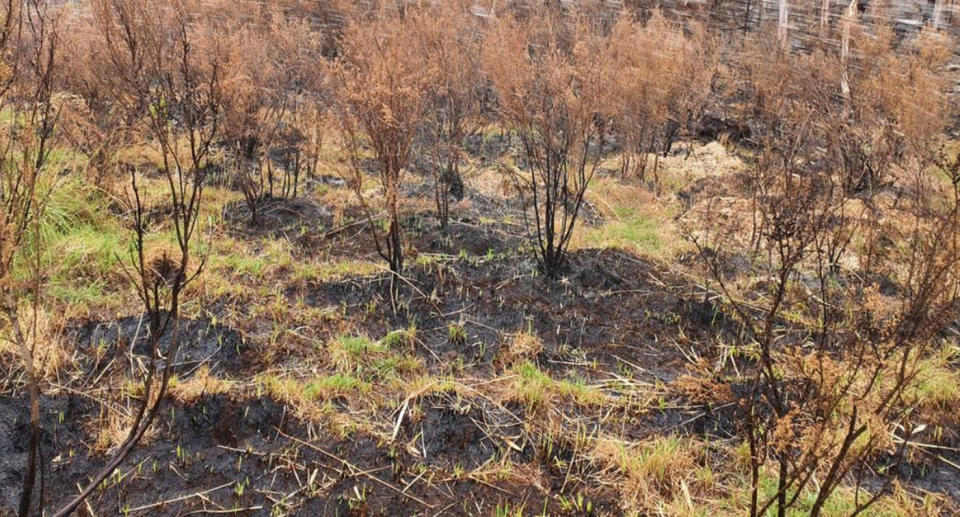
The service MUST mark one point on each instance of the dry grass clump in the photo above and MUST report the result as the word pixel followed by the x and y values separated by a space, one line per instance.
pixel 699 161
pixel 43 335
pixel 202 383
pixel 522 346
pixel 938 381
pixel 634 219
pixel 664 474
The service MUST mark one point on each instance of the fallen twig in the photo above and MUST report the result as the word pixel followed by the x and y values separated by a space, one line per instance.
pixel 354 468
pixel 180 498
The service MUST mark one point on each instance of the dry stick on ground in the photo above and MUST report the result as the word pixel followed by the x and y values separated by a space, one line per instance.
pixel 202 494
pixel 337 231
pixel 356 471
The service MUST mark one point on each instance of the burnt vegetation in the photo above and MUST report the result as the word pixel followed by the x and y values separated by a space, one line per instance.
pixel 526 258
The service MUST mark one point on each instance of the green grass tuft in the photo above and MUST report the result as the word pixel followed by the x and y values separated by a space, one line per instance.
pixel 336 385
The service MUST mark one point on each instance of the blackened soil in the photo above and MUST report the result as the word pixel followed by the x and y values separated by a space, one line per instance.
pixel 456 433
pixel 222 453
pixel 219 454
pixel 607 304
pixel 61 429
pixel 278 216
pixel 202 342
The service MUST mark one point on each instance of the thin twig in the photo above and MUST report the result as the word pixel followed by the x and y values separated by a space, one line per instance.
pixel 354 468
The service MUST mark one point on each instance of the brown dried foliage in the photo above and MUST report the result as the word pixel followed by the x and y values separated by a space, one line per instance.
pixel 381 95
pixel 660 74
pixel 831 383
pixel 273 104
pixel 551 94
